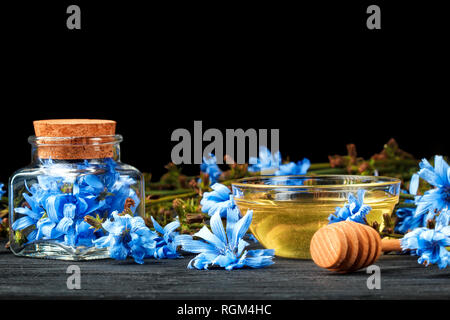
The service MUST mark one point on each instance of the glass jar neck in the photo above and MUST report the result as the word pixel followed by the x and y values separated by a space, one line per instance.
pixel 74 149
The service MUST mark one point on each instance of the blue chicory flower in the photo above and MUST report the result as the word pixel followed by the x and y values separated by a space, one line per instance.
pixel 127 236
pixel 437 199
pixel 226 248
pixel 251 237
pixel 221 200
pixel 354 210
pixel 55 206
pixel 2 192
pixel 168 242
pixel 268 163
pixel 429 245
pixel 209 166
pixel 406 220
pixel 218 200
pixel 443 218
pixel 292 168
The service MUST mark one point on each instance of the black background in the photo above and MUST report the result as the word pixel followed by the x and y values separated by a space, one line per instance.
pixel 312 70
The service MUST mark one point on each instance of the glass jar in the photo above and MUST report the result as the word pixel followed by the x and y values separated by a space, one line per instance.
pixel 74 183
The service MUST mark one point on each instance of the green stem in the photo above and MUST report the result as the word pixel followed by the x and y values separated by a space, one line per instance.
pixel 410 162
pixel 330 171
pixel 387 169
pixel 3 213
pixel 155 185
pixel 406 205
pixel 317 166
pixel 166 192
pixel 407 196
pixel 173 197
pixel 392 235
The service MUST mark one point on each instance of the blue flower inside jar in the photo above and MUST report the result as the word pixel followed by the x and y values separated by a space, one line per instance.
pixel 73 184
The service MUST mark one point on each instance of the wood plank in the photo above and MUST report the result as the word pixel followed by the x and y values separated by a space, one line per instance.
pixel 401 278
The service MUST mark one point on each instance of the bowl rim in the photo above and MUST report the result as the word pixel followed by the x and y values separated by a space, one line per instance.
pixel 392 181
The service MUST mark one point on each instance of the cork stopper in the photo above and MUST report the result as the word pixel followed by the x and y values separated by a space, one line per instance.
pixel 69 139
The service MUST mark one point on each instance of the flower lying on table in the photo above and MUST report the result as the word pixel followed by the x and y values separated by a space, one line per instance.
pixel 226 248
pixel 220 200
pixel 429 244
pixel 127 236
pixel 354 210
pixel 167 244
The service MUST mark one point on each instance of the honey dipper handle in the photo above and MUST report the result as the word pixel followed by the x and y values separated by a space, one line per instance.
pixel 390 245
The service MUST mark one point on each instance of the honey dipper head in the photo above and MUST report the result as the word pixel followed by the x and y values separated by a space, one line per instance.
pixel 328 247
pixel 345 246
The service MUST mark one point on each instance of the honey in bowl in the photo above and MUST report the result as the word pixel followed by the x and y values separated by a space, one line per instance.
pixel 288 210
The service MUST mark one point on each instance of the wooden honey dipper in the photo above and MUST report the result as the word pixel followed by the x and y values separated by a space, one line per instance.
pixel 348 246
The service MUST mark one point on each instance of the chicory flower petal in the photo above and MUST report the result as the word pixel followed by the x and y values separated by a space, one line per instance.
pixel 220 251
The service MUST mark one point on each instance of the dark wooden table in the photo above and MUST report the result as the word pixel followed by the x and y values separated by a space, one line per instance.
pixel 401 278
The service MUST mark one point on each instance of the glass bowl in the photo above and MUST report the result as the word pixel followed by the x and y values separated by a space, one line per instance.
pixel 288 210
